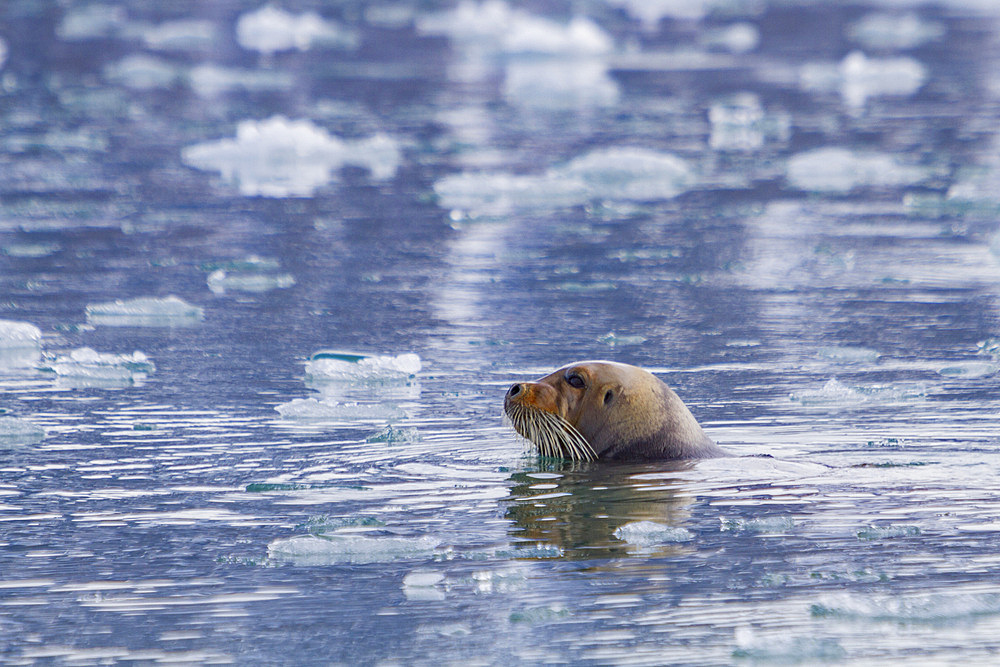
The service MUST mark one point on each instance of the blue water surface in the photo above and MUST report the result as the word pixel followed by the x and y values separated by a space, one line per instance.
pixel 786 209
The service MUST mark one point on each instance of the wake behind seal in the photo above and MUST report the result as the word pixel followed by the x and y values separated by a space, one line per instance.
pixel 605 410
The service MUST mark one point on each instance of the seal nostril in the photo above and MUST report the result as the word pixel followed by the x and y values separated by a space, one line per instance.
pixel 514 390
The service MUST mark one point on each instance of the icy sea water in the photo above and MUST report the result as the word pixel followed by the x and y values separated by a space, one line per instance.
pixel 789 210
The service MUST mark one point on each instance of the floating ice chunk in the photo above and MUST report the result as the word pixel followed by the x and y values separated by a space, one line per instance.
pixel 311 409
pixel 968 369
pixel 835 393
pixel 858 77
pixel 392 435
pixel 769 525
pixel 182 35
pixel 30 249
pixel 894 32
pixel 20 344
pixel 3 53
pixel 278 157
pixel 842 170
pixel 936 608
pixel 87 367
pixel 849 354
pixel 92 22
pixel 651 533
pixel 651 12
pixel 141 72
pixel 614 340
pixel 169 311
pixel 887 532
pixel 493 26
pixel 16 431
pixel 270 30
pixel 219 281
pixel 208 80
pixel 560 84
pixel 739 124
pixel 616 174
pixel 785 650
pixel 336 366
pixel 736 38
pixel 330 550
pixel 422 585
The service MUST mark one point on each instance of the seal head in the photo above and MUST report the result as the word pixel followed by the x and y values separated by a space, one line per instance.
pixel 606 410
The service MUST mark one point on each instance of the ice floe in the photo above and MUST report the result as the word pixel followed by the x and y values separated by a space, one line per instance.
pixel 606 174
pixel 92 22
pixel 769 525
pixel 651 533
pixel 740 124
pixel 85 367
pixel 220 281
pixel 181 35
pixel 142 72
pixel 560 84
pixel 496 27
pixel 836 169
pixel 16 431
pixel 858 78
pixel 894 31
pixel 735 38
pixel 208 80
pixel 20 344
pixel 279 157
pixel 914 607
pixel 333 549
pixel 312 409
pixel 835 393
pixel 338 366
pixel 145 312
pixel 270 30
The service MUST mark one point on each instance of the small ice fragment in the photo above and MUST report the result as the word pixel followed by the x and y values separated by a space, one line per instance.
pixel 560 84
pixel 651 533
pixel 141 72
pixel 220 280
pixel 270 30
pixel 85 363
pixel 613 339
pixel 494 27
pixel 968 369
pixel 20 344
pixel 858 77
pixel 740 124
pixel 392 435
pixel 311 409
pixel 208 80
pixel 736 38
pixel 30 250
pixel 330 550
pixel 849 354
pixel 145 312
pixel 3 53
pixel 16 431
pixel 768 525
pixel 181 35
pixel 942 609
pixel 887 532
pixel 786 650
pixel 91 22
pixel 278 157
pixel 333 365
pixel 615 174
pixel 894 32
pixel 841 170
pixel 835 393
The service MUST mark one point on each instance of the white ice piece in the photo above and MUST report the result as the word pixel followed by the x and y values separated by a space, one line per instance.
pixel 621 174
pixel 88 364
pixel 556 83
pixel 145 311
pixel 330 550
pixel 894 32
pixel 17 431
pixel 247 281
pixel 858 77
pixel 311 409
pixel 181 35
pixel 651 533
pixel 208 80
pixel 279 157
pixel 142 72
pixel 20 344
pixel 270 30
pixel 92 22
pixel 495 27
pixel 336 366
pixel 837 169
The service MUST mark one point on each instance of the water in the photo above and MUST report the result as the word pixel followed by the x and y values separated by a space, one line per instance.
pixel 786 209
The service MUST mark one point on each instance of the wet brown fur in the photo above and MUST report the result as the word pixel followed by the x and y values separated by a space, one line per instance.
pixel 621 412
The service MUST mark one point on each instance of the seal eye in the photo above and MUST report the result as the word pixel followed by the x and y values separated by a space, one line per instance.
pixel 608 396
pixel 576 381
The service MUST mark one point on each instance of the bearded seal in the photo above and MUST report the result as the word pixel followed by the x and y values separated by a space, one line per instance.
pixel 605 410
